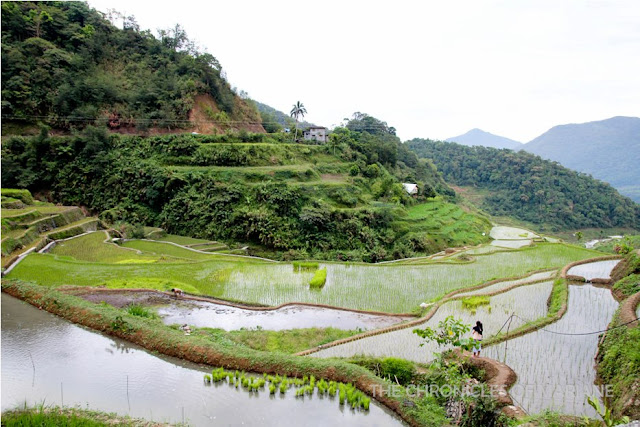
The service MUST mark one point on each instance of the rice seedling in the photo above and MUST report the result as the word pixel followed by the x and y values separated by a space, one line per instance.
pixel 556 371
pixel 472 303
pixel 140 311
pixel 299 266
pixel 272 389
pixel 404 344
pixel 207 378
pixel 319 279
pixel 283 387
pixel 392 287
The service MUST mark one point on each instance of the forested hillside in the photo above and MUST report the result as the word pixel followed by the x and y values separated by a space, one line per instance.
pixel 527 187
pixel 65 65
pixel 343 200
pixel 607 149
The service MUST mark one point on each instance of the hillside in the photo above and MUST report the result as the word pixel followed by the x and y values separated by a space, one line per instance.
pixel 485 139
pixel 65 65
pixel 273 120
pixel 607 149
pixel 341 201
pixel 524 186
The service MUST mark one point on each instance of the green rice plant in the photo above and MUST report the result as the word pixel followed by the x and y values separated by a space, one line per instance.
pixel 272 389
pixel 319 279
pixel 283 386
pixel 207 378
pixel 140 311
pixel 299 266
pixel 474 302
pixel 392 287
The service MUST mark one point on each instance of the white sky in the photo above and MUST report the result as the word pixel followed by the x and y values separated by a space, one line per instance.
pixel 431 69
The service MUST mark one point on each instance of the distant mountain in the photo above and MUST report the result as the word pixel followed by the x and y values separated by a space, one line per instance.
pixel 608 150
pixel 485 139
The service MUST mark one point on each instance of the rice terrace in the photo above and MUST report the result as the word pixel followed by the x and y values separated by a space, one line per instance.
pixel 177 253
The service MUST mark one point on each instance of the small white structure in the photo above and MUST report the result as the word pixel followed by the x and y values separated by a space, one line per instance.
pixel 410 188
pixel 316 133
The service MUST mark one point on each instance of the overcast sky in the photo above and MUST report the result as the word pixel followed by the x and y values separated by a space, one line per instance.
pixel 431 69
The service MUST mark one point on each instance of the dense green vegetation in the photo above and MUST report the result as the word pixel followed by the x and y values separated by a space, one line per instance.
pixel 607 149
pixel 529 188
pixel 342 201
pixel 619 364
pixel 64 64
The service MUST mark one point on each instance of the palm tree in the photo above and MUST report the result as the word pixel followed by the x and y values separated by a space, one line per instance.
pixel 298 110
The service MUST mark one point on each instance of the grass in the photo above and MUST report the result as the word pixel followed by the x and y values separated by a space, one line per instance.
pixel 51 416
pixel 181 240
pixel 629 285
pixel 609 247
pixel 284 341
pixel 446 222
pixel 140 311
pixel 43 209
pixel 92 248
pixel 167 249
pixel 619 364
pixel 395 288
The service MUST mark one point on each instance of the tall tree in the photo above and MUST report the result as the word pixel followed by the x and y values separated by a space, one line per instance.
pixel 297 111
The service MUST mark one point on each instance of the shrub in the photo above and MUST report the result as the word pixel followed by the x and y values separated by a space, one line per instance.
pixel 319 279
pixel 401 369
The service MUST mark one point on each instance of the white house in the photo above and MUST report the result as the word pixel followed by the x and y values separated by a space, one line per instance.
pixel 412 189
pixel 316 133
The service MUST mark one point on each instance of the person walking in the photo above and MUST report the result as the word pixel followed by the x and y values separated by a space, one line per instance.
pixel 476 335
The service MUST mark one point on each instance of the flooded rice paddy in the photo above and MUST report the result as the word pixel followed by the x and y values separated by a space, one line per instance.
pixel 529 299
pixel 217 315
pixel 557 371
pixel 507 283
pixel 594 270
pixel 204 314
pixel 48 360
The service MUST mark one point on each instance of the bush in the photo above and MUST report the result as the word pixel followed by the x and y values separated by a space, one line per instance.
pixel 401 369
pixel 319 279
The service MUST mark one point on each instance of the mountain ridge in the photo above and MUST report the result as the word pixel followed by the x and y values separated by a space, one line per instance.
pixel 483 138
pixel 606 149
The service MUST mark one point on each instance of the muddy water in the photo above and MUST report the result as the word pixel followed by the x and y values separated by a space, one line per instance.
pixel 557 371
pixel 231 318
pixel 48 360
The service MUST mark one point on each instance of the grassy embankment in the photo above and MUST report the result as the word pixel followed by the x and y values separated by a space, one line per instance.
pixel 357 286
pixel 619 351
pixel 42 416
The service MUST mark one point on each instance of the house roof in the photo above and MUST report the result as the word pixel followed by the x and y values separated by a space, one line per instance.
pixel 410 188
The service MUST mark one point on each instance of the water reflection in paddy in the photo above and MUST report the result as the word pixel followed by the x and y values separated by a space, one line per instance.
pixel 211 315
pixel 75 366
